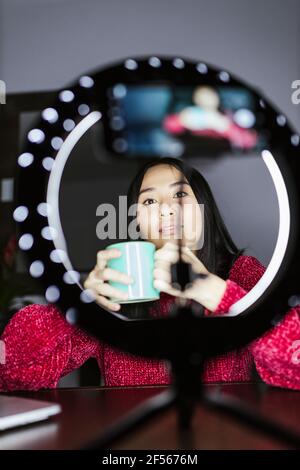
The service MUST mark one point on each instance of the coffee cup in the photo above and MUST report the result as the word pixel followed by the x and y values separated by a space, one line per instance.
pixel 136 260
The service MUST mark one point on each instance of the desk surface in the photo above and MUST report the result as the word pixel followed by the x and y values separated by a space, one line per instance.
pixel 88 412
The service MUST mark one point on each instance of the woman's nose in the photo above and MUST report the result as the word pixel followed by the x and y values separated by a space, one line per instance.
pixel 166 209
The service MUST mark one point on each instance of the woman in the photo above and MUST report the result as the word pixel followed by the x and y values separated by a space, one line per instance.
pixel 41 346
pixel 156 212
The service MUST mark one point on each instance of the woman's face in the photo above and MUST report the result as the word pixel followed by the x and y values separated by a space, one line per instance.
pixel 159 214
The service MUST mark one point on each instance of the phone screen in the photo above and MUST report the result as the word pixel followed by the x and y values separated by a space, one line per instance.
pixel 163 119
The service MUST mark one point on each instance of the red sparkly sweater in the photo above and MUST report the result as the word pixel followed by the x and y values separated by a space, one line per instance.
pixel 41 347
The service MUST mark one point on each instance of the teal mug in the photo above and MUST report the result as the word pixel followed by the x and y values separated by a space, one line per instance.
pixel 137 260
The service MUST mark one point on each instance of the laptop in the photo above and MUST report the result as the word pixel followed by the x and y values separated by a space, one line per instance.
pixel 17 411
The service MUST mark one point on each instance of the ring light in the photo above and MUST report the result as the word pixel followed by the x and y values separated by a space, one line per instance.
pixel 41 164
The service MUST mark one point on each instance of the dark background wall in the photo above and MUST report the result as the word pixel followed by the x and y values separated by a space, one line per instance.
pixel 44 43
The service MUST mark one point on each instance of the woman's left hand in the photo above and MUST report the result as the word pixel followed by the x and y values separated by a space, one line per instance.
pixel 208 291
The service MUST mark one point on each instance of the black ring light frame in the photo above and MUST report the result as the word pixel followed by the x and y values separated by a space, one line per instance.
pixel 79 105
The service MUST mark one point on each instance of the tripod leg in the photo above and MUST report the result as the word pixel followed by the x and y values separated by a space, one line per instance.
pixel 186 407
pixel 136 418
pixel 247 415
pixel 186 371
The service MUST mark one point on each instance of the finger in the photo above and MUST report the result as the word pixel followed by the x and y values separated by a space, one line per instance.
pixel 101 288
pixel 172 257
pixel 162 264
pixel 166 255
pixel 163 270
pixel 162 274
pixel 187 252
pixel 196 263
pixel 187 257
pixel 173 246
pixel 109 274
pixel 110 291
pixel 165 266
pixel 164 286
pixel 95 276
pixel 104 302
pixel 104 255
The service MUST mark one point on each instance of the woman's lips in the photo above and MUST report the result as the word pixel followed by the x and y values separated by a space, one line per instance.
pixel 170 229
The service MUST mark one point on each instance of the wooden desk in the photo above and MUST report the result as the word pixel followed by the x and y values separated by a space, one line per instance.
pixel 88 412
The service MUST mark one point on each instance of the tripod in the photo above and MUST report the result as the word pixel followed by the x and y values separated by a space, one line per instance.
pixel 185 393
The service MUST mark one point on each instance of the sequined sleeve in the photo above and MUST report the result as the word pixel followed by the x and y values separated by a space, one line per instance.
pixel 244 274
pixel 277 353
pixel 39 347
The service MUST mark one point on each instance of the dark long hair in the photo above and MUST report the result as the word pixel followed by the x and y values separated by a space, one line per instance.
pixel 219 251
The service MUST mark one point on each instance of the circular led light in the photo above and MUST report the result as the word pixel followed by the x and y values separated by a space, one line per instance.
pixel 49 233
pixel 36 136
pixel 71 277
pixel 52 294
pixel 20 214
pixel 154 62
pixel 83 109
pixel 58 256
pixel 48 163
pixel 178 63
pixel 224 76
pixel 294 300
pixel 66 96
pixel 86 81
pixel 56 142
pixel 50 115
pixel 71 316
pixel 131 64
pixel 202 68
pixel 282 239
pixel 295 139
pixel 44 209
pixel 36 268
pixel 26 241
pixel 87 296
pixel 68 125
pixel 281 120
pixel 25 159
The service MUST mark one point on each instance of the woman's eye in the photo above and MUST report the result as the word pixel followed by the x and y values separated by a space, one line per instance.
pixel 150 201
pixel 146 202
pixel 181 192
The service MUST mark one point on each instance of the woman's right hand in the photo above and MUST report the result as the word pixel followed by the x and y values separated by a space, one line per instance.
pixel 96 280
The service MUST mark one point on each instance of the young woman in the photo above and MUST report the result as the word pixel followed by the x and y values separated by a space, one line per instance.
pixel 41 347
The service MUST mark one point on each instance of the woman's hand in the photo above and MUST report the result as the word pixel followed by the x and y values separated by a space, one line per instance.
pixel 208 291
pixel 101 273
